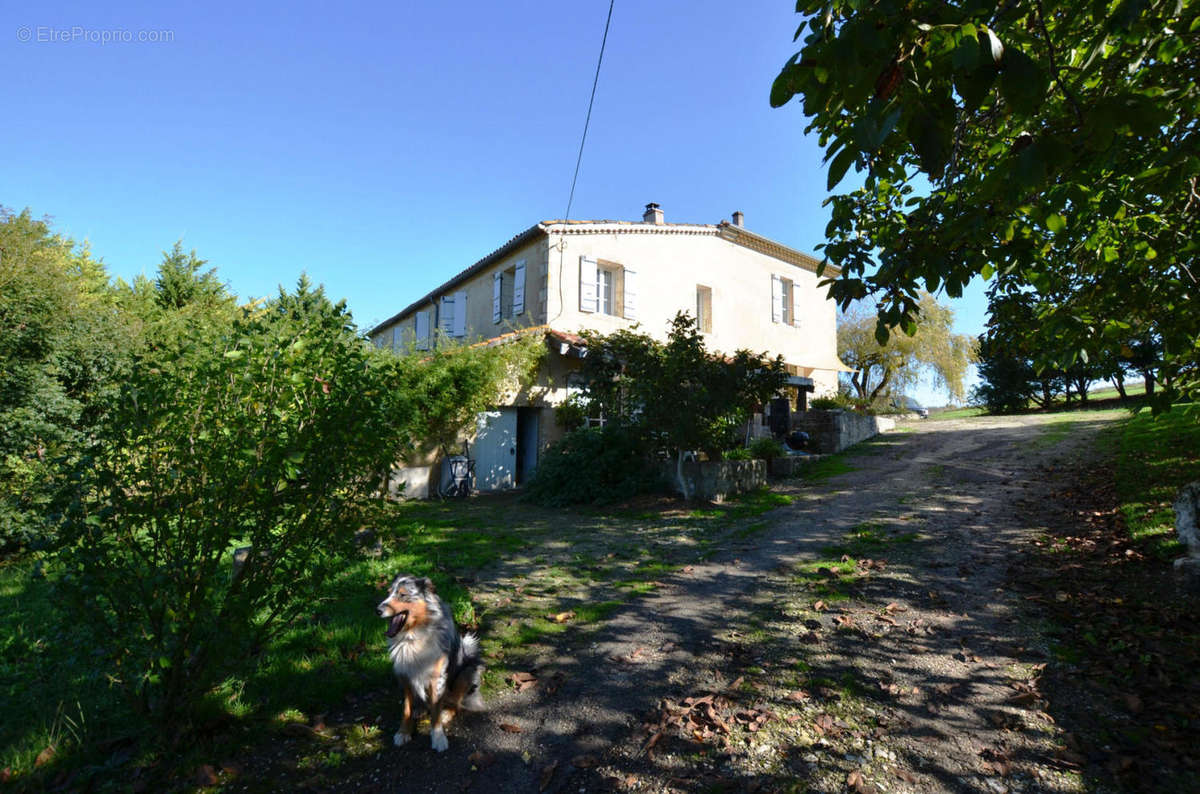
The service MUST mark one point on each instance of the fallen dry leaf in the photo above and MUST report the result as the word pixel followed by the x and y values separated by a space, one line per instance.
pixel 562 617
pixel 482 760
pixel 522 681
pixel 585 761
pixel 45 756
pixel 905 775
pixel 547 775
pixel 508 727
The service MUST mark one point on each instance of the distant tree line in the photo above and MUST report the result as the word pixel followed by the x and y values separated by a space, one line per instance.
pixel 1025 359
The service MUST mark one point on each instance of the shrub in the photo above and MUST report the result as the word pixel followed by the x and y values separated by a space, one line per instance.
pixel 741 453
pixel 825 403
pixel 766 449
pixel 594 466
pixel 268 431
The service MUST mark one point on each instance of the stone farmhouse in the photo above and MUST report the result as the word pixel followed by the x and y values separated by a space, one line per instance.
pixel 561 276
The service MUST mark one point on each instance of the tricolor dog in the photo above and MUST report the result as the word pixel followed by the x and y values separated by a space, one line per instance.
pixel 438 670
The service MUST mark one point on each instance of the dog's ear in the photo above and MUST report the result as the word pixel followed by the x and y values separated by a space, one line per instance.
pixel 427 585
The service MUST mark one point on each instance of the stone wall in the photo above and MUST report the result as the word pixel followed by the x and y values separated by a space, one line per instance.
pixel 712 481
pixel 833 431
pixel 790 465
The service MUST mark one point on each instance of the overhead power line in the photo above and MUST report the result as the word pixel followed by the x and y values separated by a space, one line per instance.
pixel 588 121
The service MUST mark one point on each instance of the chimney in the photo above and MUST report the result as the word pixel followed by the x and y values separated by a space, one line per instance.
pixel 739 219
pixel 653 214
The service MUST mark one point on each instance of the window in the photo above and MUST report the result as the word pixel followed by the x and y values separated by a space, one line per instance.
pixel 508 292
pixel 452 315
pixel 576 388
pixel 784 293
pixel 607 288
pixel 421 330
pixel 703 309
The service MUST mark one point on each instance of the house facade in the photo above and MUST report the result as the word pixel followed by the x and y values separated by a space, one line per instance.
pixel 560 277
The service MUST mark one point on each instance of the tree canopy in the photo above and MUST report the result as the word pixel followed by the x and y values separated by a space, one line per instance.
pixel 1052 142
pixel 883 368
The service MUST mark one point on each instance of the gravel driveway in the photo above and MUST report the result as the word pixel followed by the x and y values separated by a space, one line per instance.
pixel 902 664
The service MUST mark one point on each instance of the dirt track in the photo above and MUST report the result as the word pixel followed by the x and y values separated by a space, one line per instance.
pixel 916 681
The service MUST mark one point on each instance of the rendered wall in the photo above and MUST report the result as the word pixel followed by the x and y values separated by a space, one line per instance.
pixel 670 264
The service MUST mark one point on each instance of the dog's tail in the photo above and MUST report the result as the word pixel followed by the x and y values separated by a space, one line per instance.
pixel 470 673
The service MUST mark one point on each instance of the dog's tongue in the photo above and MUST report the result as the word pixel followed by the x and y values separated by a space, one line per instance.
pixel 396 623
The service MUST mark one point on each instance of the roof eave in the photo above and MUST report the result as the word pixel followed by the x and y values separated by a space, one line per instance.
pixel 516 242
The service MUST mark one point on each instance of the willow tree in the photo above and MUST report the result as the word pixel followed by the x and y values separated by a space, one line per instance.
pixel 891 366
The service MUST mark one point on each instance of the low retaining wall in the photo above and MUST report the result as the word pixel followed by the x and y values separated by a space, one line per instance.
pixel 790 465
pixel 712 481
pixel 833 431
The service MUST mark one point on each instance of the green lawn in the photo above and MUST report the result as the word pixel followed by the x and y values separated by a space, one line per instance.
pixel 1155 457
pixel 507 568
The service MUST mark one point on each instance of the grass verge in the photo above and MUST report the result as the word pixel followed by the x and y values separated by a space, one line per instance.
pixel 1157 455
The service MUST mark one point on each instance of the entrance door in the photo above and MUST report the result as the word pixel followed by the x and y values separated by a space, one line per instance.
pixel 495 449
pixel 527 442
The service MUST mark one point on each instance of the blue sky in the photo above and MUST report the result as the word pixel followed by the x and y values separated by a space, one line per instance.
pixel 381 147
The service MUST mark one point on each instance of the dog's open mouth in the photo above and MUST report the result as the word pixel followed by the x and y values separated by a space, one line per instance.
pixel 396 623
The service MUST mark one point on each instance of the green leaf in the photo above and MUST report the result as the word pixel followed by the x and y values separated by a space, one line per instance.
pixel 1022 82
pixel 1110 254
pixel 838 169
pixel 881 333
pixel 1055 222
pixel 164 662
pixel 974 86
pixel 787 83
pixel 235 354
pixel 987 271
pixel 968 53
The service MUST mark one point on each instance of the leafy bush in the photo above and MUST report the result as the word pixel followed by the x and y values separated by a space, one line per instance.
pixel 825 403
pixel 766 449
pixel 594 466
pixel 61 352
pixel 678 396
pixel 268 431
pixel 741 453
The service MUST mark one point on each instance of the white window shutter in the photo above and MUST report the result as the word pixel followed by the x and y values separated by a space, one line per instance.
pixel 589 276
pixel 460 314
pixel 519 289
pixel 497 284
pixel 776 299
pixel 422 328
pixel 446 316
pixel 796 297
pixel 629 308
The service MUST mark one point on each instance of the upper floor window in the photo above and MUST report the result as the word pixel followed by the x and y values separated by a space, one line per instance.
pixel 452 314
pixel 607 288
pixel 784 303
pixel 508 292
